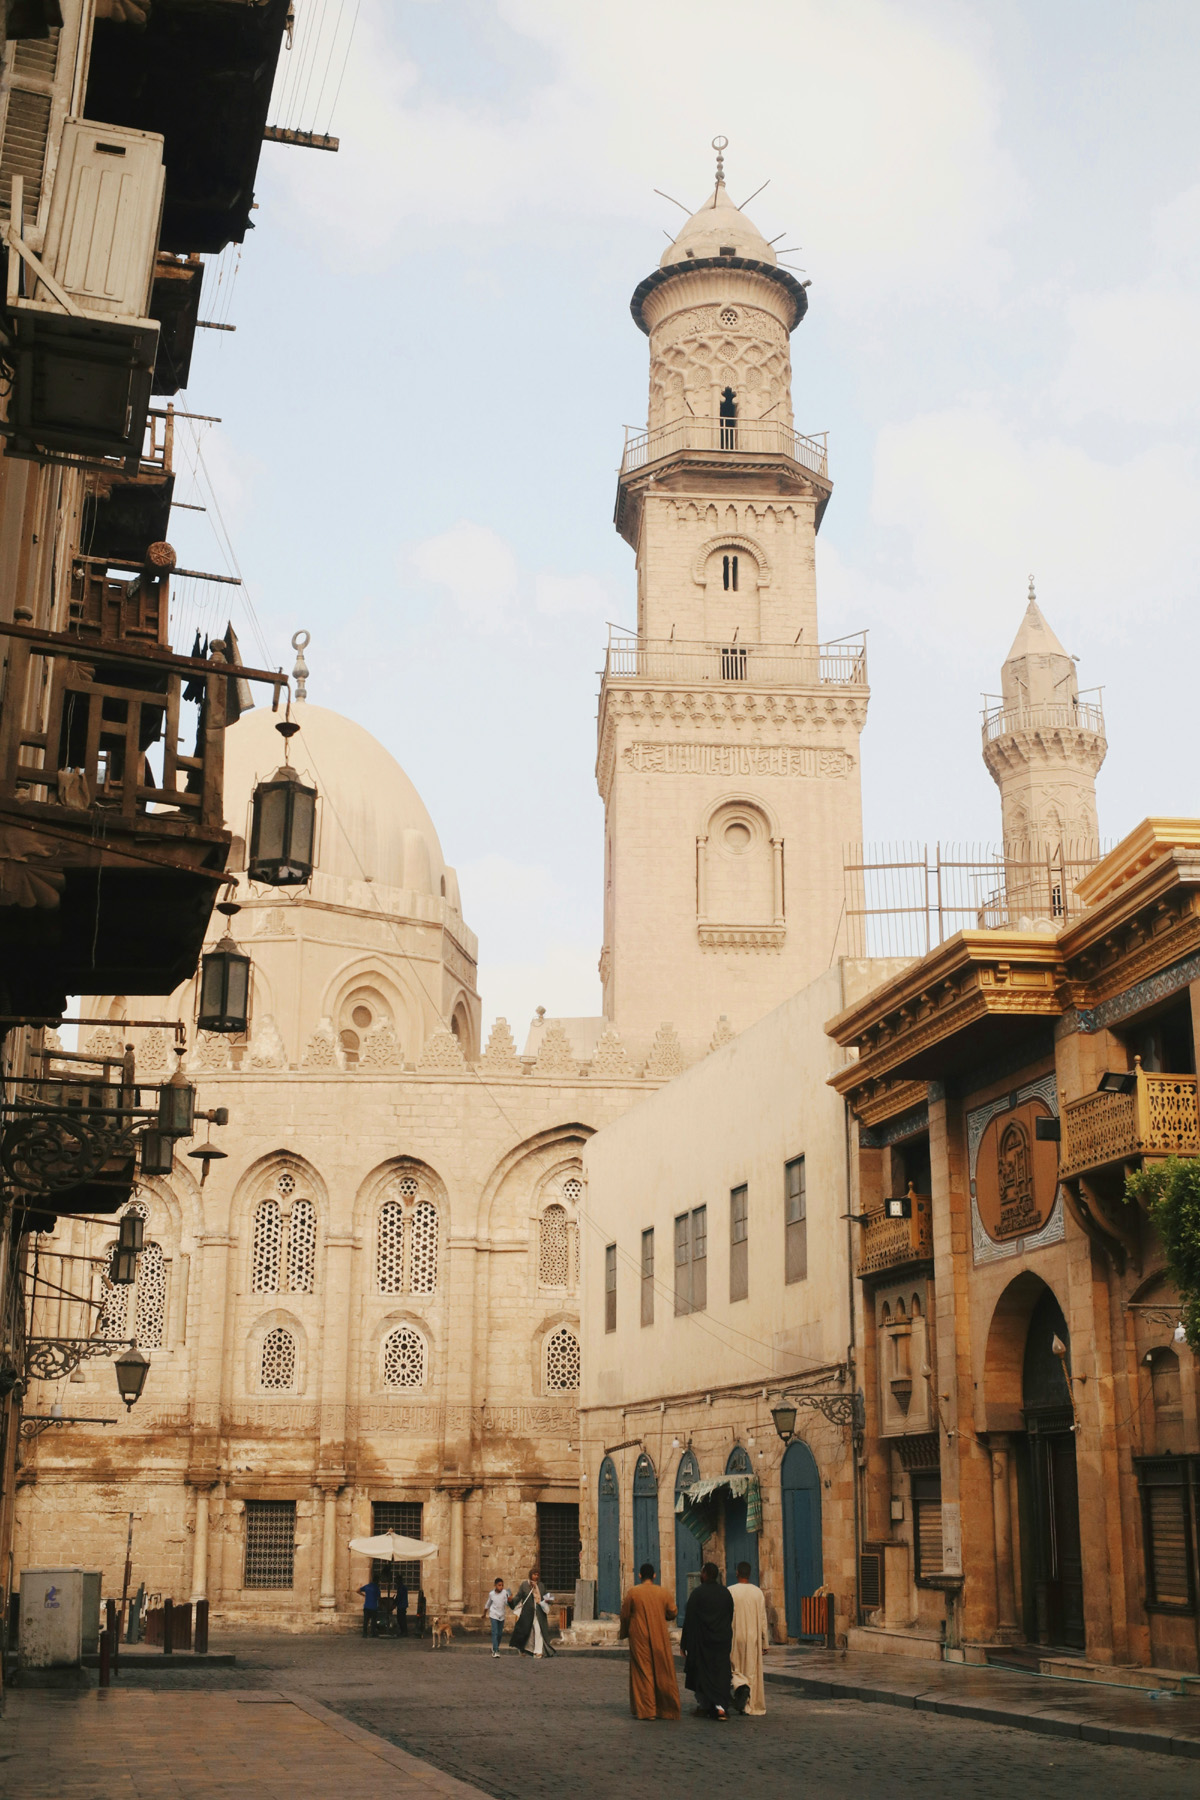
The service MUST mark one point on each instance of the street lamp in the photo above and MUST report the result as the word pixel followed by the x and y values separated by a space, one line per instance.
pixel 224 988
pixel 131 1234
pixel 784 1415
pixel 283 815
pixel 132 1369
pixel 176 1104
pixel 158 1152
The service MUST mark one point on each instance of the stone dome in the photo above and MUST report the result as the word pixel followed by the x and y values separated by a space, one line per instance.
pixel 372 823
pixel 719 228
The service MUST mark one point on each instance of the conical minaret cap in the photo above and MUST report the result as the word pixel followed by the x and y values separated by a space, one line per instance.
pixel 1035 637
pixel 719 228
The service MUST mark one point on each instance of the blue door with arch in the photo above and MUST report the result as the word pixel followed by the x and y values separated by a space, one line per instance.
pixel 645 1515
pixel 608 1539
pixel 741 1544
pixel 803 1569
pixel 688 1549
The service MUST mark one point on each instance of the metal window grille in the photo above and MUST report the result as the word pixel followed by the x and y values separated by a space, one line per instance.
pixel 648 1277
pixel 795 1214
pixel 268 1240
pixel 423 1231
pixel 562 1361
pixel 404 1518
pixel 610 1287
pixel 558 1548
pixel 302 1247
pixel 404 1358
pixel 270 1543
pixel 151 1309
pixel 739 1231
pixel 277 1365
pixel 389 1252
pixel 554 1250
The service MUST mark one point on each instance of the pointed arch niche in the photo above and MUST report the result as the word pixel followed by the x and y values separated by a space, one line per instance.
pixel 740 894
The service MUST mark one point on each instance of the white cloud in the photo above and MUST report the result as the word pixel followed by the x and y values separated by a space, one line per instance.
pixel 478 572
pixel 563 979
pixel 879 131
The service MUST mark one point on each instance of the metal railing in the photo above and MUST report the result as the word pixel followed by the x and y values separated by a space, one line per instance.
pixel 905 899
pixel 1159 1118
pixel 738 436
pixel 839 664
pixel 1077 715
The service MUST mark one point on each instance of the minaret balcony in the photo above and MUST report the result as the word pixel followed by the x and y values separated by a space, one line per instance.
pixel 731 437
pixel 1046 716
pixel 659 661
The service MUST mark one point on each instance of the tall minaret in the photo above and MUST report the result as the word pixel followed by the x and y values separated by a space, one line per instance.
pixel 1044 745
pixel 728 738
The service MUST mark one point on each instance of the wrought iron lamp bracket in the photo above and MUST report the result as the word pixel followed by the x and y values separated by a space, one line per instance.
pixel 36 1423
pixel 53 1359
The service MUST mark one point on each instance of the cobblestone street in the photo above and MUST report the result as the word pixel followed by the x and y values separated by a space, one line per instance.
pixel 293 1717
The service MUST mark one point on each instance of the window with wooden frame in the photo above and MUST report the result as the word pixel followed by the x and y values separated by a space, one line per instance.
pixel 795 1221
pixel 927 1524
pixel 691 1260
pixel 648 1277
pixel 739 1231
pixel 610 1288
pixel 1170 1494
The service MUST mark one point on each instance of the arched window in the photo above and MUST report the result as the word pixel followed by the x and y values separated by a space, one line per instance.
pixel 151 1290
pixel 562 1361
pixel 404 1358
pixel 277 1366
pixel 554 1248
pixel 729 573
pixel 424 1247
pixel 302 1247
pixel 389 1254
pixel 114 1306
pixel 268 1238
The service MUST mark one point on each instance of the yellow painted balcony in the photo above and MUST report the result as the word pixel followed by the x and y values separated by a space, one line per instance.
pixel 1158 1118
pixel 888 1244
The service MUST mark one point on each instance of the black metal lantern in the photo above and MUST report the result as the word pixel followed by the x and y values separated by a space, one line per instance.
pixel 158 1152
pixel 283 820
pixel 132 1369
pixel 122 1269
pixel 784 1416
pixel 131 1234
pixel 224 988
pixel 176 1106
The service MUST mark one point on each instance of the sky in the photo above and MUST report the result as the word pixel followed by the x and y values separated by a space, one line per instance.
pixel 421 407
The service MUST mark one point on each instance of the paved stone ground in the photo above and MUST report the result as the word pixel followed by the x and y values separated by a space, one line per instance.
pixel 537 1730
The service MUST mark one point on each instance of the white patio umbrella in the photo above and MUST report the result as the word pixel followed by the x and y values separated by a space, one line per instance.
pixel 395 1548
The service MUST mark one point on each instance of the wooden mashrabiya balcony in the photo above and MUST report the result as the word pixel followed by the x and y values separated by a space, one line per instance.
pixel 1158 1117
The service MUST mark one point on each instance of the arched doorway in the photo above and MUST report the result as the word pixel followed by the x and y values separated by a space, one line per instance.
pixel 1053 1497
pixel 802 1562
pixel 741 1544
pixel 645 1514
pixel 688 1550
pixel 608 1539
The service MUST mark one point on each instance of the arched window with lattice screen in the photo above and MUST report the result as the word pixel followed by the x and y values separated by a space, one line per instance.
pixel 151 1312
pixel 268 1240
pixel 114 1307
pixel 277 1365
pixel 562 1361
pixel 423 1251
pixel 554 1247
pixel 404 1358
pixel 302 1247
pixel 389 1251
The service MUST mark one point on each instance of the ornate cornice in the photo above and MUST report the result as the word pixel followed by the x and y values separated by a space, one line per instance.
pixel 741 937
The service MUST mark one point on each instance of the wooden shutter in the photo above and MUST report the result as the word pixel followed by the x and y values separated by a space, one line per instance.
pixel 870 1578
pixel 1166 1522
pixel 927 1524
pixel 32 108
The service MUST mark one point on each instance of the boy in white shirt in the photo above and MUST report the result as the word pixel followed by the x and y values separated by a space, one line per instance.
pixel 495 1610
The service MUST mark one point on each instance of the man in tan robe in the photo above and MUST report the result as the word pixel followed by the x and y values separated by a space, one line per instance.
pixel 653 1684
pixel 751 1636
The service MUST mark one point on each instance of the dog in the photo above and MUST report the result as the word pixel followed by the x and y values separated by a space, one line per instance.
pixel 439 1631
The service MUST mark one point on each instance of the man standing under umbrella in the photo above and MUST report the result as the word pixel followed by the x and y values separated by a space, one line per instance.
pixel 370 1594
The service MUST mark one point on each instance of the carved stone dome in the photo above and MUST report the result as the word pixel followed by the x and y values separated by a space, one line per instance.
pixel 372 823
pixel 719 228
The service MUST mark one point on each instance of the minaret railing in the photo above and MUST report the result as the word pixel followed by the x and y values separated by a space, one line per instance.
pixel 729 663
pixel 732 437
pixel 1067 715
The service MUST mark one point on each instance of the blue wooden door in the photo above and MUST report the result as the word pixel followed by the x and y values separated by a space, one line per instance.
pixel 741 1545
pixel 645 1515
pixel 802 1563
pixel 608 1539
pixel 688 1550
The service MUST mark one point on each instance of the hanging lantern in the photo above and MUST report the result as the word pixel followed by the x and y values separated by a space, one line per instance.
pixel 132 1369
pixel 158 1153
pixel 282 830
pixel 224 988
pixel 176 1105
pixel 132 1232
pixel 122 1270
pixel 783 1415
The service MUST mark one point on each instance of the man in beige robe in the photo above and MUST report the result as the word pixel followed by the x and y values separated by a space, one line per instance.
pixel 751 1636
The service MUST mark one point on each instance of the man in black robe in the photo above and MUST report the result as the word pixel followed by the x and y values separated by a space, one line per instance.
pixel 708 1644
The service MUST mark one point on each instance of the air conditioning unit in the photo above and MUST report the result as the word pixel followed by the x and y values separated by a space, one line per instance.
pixel 81 344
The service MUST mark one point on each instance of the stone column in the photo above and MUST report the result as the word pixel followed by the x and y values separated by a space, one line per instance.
pixel 702 878
pixel 328 1597
pixel 200 1547
pixel 1007 1626
pixel 777 877
pixel 457 1499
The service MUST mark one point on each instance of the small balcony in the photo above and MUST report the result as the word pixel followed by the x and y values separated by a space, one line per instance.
pixel 658 660
pixel 1073 715
pixel 890 1244
pixel 734 437
pixel 1158 1117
